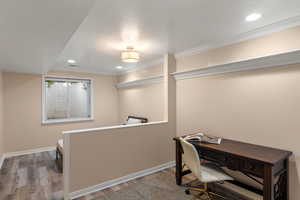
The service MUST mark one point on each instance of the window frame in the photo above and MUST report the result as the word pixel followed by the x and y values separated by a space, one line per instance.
pixel 67 120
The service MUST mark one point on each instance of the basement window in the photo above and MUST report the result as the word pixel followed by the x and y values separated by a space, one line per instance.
pixel 66 100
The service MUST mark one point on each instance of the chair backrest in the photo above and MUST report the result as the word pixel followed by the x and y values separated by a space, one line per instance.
pixel 191 158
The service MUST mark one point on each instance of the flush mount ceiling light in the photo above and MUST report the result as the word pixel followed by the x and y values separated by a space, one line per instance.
pixel 130 55
pixel 119 67
pixel 253 17
pixel 72 62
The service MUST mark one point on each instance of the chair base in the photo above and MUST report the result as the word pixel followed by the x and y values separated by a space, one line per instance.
pixel 203 191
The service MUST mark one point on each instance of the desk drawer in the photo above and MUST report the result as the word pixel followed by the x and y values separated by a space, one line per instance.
pixel 253 167
pixel 233 163
pixel 212 156
pixel 222 159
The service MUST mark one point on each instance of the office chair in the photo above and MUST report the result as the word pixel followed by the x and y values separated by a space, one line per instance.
pixel 204 173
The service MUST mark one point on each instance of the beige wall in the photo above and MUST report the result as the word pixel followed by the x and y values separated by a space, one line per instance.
pixel 115 153
pixel 283 41
pixel 122 151
pixel 259 106
pixel 145 100
pixel 256 106
pixel 1 116
pixel 23 103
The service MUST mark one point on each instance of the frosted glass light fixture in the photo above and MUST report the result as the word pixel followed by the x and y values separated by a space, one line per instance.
pixel 130 55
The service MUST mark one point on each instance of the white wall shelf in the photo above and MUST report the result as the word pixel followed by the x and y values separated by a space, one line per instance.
pixel 292 57
pixel 145 81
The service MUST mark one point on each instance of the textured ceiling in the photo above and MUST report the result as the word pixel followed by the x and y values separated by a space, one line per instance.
pixel 33 33
pixel 40 35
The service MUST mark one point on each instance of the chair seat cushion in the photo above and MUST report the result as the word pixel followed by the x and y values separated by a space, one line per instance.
pixel 60 145
pixel 211 173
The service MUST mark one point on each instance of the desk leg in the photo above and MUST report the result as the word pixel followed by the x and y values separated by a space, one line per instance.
pixel 178 163
pixel 268 183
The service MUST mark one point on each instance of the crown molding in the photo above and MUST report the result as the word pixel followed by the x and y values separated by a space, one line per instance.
pixel 145 81
pixel 143 66
pixel 281 59
pixel 258 32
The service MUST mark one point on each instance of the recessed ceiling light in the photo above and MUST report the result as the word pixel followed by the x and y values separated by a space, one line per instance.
pixel 253 17
pixel 119 67
pixel 71 61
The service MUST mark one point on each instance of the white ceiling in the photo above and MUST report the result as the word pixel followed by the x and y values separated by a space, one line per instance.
pixel 39 35
pixel 33 33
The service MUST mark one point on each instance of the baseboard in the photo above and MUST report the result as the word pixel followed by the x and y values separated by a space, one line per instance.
pixel 117 181
pixel 30 151
pixel 1 161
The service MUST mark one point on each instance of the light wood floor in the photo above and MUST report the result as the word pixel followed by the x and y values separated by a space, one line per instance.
pixel 33 176
pixel 36 177
pixel 158 186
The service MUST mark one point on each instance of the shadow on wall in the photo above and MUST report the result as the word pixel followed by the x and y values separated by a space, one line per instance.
pixel 144 101
pixel 258 106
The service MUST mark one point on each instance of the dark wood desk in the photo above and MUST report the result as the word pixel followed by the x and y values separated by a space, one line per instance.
pixel 264 162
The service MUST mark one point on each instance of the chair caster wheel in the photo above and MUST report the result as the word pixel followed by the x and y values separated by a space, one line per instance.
pixel 187 191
